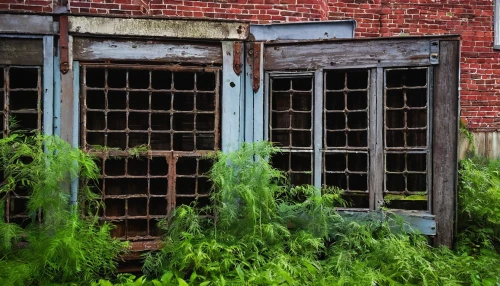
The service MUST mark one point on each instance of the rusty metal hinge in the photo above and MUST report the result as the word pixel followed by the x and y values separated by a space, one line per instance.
pixel 254 60
pixel 63 44
pixel 237 58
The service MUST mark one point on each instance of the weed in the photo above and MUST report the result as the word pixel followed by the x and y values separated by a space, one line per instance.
pixel 58 245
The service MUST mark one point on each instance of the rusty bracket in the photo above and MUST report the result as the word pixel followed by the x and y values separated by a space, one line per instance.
pixel 237 58
pixel 63 44
pixel 256 51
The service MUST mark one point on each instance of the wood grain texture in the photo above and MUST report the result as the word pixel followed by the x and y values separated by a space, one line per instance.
pixel 27 24
pixel 185 52
pixel 392 52
pixel 445 139
pixel 21 51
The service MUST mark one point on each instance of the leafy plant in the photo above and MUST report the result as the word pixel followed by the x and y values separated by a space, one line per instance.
pixel 479 203
pixel 57 244
pixel 264 233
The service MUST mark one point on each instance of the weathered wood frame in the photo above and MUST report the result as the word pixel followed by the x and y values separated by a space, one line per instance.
pixel 441 56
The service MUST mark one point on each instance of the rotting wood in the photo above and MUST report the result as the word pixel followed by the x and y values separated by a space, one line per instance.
pixel 183 29
pixel 92 49
pixel 392 52
pixel 444 141
pixel 21 51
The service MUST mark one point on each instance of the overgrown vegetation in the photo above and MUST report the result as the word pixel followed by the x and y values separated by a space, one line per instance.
pixel 257 231
pixel 57 244
pixel 263 233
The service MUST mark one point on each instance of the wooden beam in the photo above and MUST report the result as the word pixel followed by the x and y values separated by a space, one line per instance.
pixel 169 28
pixel 445 140
pixel 97 49
pixel 334 54
pixel 231 98
pixel 21 51
pixel 27 24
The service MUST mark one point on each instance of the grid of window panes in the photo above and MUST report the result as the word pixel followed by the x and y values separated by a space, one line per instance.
pixel 171 113
pixel 20 111
pixel 406 152
pixel 345 137
pixel 291 126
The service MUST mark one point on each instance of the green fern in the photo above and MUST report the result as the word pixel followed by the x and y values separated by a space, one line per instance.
pixel 58 244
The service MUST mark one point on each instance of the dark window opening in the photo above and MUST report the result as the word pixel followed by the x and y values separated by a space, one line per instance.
pixel 171 112
pixel 406 138
pixel 20 110
pixel 345 137
pixel 291 126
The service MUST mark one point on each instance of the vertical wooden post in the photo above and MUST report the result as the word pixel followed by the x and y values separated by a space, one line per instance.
pixel 445 138
pixel 231 97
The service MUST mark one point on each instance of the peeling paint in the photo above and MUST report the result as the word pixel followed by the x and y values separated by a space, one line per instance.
pixel 158 28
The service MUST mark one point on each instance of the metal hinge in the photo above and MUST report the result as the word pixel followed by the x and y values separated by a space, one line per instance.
pixel 63 44
pixel 254 62
pixel 237 66
pixel 434 56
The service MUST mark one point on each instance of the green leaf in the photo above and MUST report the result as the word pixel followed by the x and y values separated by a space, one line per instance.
pixel 182 282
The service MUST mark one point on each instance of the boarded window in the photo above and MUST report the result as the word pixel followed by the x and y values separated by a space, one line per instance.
pixel 170 113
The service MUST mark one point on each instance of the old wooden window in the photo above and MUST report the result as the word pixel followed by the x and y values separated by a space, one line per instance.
pixel 376 119
pixel 170 111
pixel 345 137
pixel 291 119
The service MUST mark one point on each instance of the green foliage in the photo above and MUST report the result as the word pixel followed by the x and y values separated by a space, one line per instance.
pixel 247 240
pixel 57 245
pixel 260 231
pixel 479 204
pixel 263 233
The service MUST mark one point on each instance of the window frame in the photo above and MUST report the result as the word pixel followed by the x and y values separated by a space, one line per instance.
pixel 375 149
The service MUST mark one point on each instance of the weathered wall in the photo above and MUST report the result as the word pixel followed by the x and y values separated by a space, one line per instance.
pixel 472 19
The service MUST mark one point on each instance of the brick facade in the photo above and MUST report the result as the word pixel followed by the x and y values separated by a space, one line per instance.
pixel 472 19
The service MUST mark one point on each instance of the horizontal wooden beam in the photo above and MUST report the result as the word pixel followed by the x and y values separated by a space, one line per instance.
pixel 169 28
pixel 27 24
pixel 185 52
pixel 21 51
pixel 333 54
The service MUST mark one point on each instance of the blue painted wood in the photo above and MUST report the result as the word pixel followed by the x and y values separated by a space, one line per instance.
pixel 57 97
pixel 258 103
pixel 48 84
pixel 249 115
pixel 231 99
pixel 76 125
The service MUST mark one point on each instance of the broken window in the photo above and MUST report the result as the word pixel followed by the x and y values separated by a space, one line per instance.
pixel 20 110
pixel 150 126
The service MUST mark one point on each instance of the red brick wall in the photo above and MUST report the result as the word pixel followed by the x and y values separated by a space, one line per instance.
pixel 27 5
pixel 472 19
